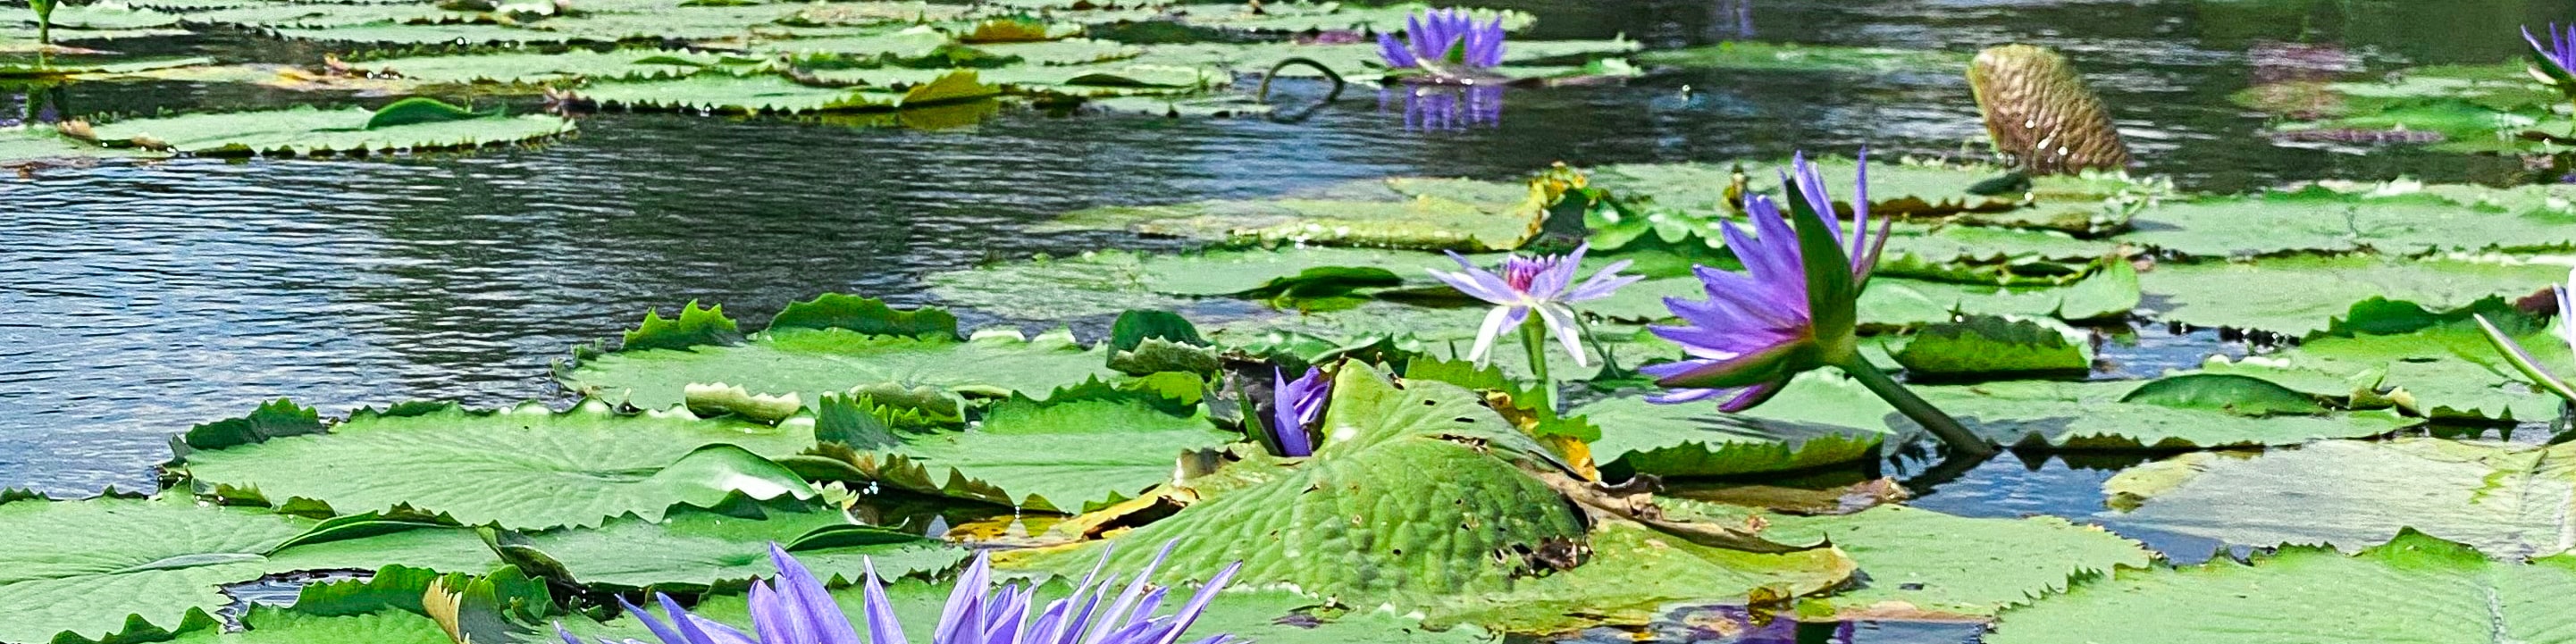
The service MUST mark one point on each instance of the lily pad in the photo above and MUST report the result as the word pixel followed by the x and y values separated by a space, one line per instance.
pixel 2415 587
pixel 307 131
pixel 101 567
pixel 1696 440
pixel 1397 212
pixel 2319 219
pixel 695 549
pixel 810 362
pixel 1990 346
pixel 1921 564
pixel 2505 499
pixel 776 94
pixel 2302 295
pixel 531 468
pixel 1791 57
pixel 2444 371
pixel 623 64
pixel 1067 456
pixel 2067 415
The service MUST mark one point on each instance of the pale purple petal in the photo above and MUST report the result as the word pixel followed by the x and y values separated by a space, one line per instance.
pixel 811 603
pixel 1198 603
pixel 1603 284
pixel 773 619
pixel 1749 397
pixel 2567 310
pixel 1560 323
pixel 657 626
pixel 1502 320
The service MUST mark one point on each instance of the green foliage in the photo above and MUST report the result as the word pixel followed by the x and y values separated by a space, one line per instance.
pixel 694 327
pixel 2503 498
pixel 532 468
pixel 2234 394
pixel 867 316
pixel 2414 587
pixel 420 109
pixel 811 362
pixel 277 419
pixel 310 131
pixel 1990 346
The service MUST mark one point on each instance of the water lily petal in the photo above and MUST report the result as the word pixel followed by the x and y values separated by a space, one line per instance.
pixel 811 603
pixel 1560 323
pixel 1394 54
pixel 1752 396
pixel 883 628
pixel 1758 366
pixel 659 628
pixel 1498 322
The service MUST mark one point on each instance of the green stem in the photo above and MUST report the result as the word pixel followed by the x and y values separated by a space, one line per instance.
pixel 1923 413
pixel 1534 342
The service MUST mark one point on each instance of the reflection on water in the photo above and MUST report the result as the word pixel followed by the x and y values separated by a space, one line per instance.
pixel 136 300
pixel 1445 107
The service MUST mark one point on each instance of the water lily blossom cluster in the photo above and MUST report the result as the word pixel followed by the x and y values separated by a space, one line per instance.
pixel 1445 42
pixel 1794 308
pixel 1543 285
pixel 1299 405
pixel 798 610
pixel 2528 364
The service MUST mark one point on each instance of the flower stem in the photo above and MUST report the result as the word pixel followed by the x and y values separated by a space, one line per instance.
pixel 1534 342
pixel 1923 413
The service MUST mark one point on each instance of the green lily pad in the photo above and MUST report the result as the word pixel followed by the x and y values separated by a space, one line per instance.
pixel 1062 457
pixel 1990 346
pixel 1790 57
pixel 810 362
pixel 530 68
pixel 1696 440
pixel 531 468
pixel 2505 499
pixel 1399 213
pixel 1398 511
pixel 2067 415
pixel 2079 204
pixel 2444 371
pixel 692 548
pixel 2415 587
pixel 136 567
pixel 306 131
pixel 1922 564
pixel 2324 220
pixel 1634 572
pixel 2301 295
pixel 776 94
pixel 273 625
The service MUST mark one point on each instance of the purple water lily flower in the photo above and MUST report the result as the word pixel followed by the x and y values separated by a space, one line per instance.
pixel 1299 404
pixel 2561 50
pixel 798 610
pixel 1544 284
pixel 1444 40
pixel 1793 309
pixel 1756 327
pixel 2521 358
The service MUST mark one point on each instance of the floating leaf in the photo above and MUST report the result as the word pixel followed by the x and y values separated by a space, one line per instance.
pixel 1991 346
pixel 811 362
pixel 2503 498
pixel 306 130
pixel 531 468
pixel 2415 587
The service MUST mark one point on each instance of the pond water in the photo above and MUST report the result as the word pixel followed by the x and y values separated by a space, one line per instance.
pixel 136 301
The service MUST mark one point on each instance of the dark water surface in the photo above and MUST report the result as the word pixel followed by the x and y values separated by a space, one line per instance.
pixel 136 301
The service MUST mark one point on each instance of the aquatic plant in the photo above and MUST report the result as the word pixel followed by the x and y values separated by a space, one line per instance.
pixel 1444 42
pixel 796 609
pixel 2522 359
pixel 2555 63
pixel 1794 308
pixel 1544 284
pixel 44 20
pixel 1299 403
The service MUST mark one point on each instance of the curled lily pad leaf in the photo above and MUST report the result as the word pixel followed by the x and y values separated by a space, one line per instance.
pixel 2235 394
pixel 1991 346
pixel 534 468
pixel 1922 564
pixel 2444 370
pixel 1696 440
